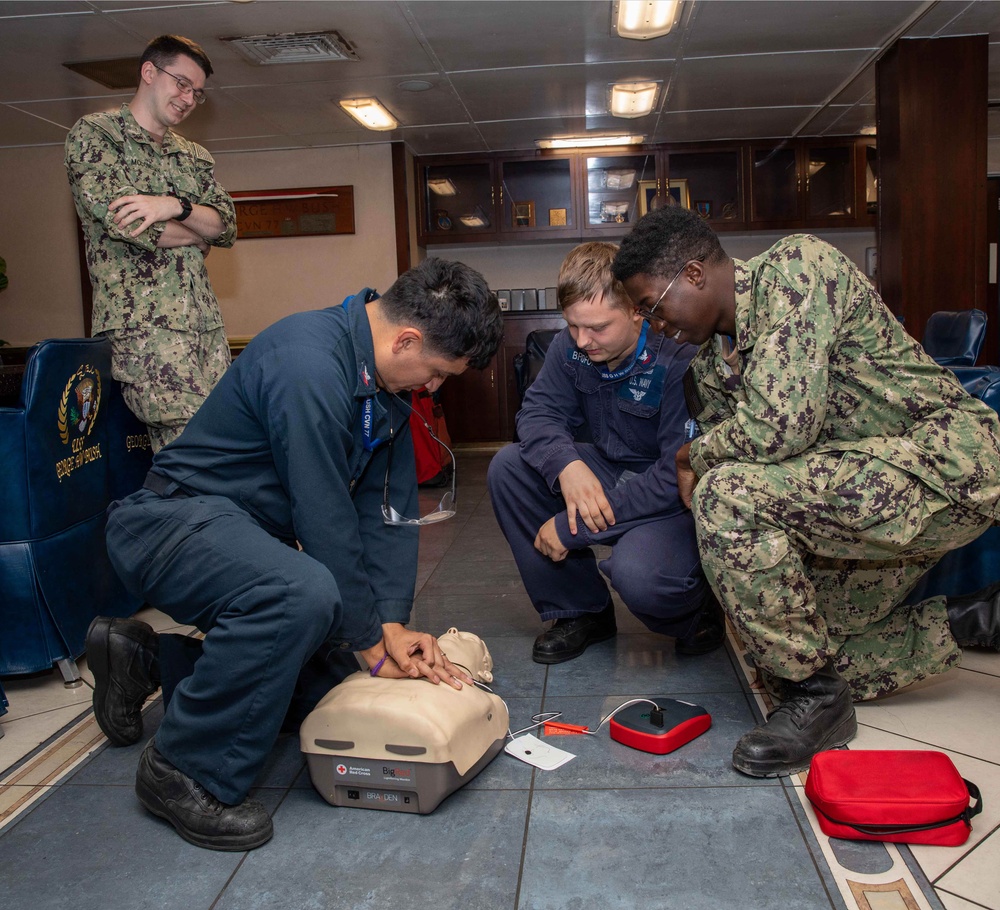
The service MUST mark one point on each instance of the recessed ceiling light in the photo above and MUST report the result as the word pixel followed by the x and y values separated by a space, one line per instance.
pixel 643 19
pixel 588 142
pixel 633 99
pixel 414 85
pixel 369 113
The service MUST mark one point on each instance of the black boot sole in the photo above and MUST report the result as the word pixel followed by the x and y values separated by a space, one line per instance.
pixel 154 804
pixel 97 646
pixel 841 736
pixel 563 656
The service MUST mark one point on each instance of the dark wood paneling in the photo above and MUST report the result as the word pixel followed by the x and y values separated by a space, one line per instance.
pixel 932 104
pixel 479 406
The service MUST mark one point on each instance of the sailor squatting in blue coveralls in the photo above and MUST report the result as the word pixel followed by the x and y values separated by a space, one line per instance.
pixel 608 379
pixel 265 525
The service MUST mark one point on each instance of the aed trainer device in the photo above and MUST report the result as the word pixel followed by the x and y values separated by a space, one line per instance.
pixel 659 725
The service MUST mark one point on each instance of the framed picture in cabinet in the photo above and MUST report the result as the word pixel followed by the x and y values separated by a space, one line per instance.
pixel 524 214
pixel 677 187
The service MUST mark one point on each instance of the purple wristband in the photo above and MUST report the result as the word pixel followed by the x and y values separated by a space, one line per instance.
pixel 374 670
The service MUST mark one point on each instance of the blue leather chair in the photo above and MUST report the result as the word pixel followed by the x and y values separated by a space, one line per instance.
pixel 975 566
pixel 953 338
pixel 68 449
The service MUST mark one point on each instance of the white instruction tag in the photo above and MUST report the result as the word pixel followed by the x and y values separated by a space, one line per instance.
pixel 532 750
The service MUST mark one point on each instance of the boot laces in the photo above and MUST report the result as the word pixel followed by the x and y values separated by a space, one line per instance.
pixel 210 802
pixel 796 707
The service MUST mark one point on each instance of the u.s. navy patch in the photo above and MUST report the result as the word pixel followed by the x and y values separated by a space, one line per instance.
pixel 644 389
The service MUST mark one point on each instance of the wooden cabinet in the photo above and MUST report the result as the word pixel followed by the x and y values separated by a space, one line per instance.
pixel 479 406
pixel 795 184
pixel 809 183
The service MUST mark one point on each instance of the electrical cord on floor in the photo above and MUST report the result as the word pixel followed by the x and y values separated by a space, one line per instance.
pixel 544 717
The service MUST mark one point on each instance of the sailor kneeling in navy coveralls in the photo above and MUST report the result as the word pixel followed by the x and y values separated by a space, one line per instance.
pixel 281 524
pixel 608 378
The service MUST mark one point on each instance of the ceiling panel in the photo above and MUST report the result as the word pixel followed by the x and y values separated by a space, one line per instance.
pixel 717 82
pixel 736 123
pixel 502 73
pixel 777 27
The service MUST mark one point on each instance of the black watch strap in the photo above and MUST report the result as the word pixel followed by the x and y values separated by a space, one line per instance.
pixel 185 208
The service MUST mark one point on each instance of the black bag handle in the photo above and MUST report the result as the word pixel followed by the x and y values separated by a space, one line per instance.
pixel 966 815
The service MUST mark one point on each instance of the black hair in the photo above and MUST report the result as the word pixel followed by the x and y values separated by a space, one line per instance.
pixel 166 49
pixel 662 241
pixel 452 305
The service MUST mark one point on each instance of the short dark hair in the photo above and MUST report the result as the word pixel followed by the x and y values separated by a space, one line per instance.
pixel 166 49
pixel 662 241
pixel 452 305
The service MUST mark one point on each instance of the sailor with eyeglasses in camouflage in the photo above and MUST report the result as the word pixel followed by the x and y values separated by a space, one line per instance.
pixel 151 209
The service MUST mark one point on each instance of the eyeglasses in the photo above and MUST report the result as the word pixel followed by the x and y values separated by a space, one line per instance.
pixel 650 314
pixel 445 508
pixel 184 85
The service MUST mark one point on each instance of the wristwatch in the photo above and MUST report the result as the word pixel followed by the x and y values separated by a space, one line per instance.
pixel 185 208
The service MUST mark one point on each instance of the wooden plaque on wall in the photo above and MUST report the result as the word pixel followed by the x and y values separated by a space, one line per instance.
pixel 298 212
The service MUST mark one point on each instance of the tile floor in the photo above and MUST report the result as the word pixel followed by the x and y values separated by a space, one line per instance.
pixel 614 828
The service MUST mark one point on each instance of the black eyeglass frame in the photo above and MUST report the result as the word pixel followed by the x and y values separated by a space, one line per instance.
pixel 650 314
pixel 185 85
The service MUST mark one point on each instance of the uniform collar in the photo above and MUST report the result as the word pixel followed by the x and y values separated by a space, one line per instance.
pixel 137 133
pixel 364 348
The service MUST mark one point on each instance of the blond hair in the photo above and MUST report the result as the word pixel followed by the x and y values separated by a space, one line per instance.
pixel 586 274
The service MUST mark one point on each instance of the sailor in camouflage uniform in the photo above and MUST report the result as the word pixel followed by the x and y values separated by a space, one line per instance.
pixel 837 464
pixel 151 209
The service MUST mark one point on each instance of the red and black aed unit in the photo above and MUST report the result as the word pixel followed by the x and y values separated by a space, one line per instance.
pixel 659 728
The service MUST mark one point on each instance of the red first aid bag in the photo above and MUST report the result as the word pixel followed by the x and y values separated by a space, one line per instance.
pixel 909 797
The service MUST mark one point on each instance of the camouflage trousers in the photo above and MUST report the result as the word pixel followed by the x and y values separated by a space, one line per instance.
pixel 167 374
pixel 812 559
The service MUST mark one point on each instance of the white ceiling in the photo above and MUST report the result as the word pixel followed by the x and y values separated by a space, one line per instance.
pixel 503 73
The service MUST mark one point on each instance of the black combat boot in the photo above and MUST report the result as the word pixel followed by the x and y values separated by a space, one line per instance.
pixel 709 630
pixel 198 816
pixel 123 655
pixel 569 638
pixel 817 714
pixel 975 618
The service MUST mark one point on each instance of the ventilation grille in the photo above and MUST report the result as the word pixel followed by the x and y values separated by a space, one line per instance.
pixel 120 73
pixel 301 47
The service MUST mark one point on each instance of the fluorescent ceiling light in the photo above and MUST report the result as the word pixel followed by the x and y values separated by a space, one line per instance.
pixel 588 142
pixel 633 99
pixel 642 19
pixel 442 186
pixel 369 113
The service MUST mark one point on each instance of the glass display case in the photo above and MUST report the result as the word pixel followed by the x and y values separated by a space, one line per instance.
pixel 457 200
pixel 774 183
pixel 536 196
pixel 710 182
pixel 620 190
pixel 829 181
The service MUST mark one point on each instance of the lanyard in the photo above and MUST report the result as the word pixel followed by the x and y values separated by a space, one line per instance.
pixel 640 348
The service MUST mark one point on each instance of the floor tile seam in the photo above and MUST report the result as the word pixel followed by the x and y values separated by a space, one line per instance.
pixel 17 718
pixel 934 746
pixel 818 861
pixel 55 776
pixel 966 899
pixel 42 748
pixel 22 806
pixel 979 672
pixel 961 859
